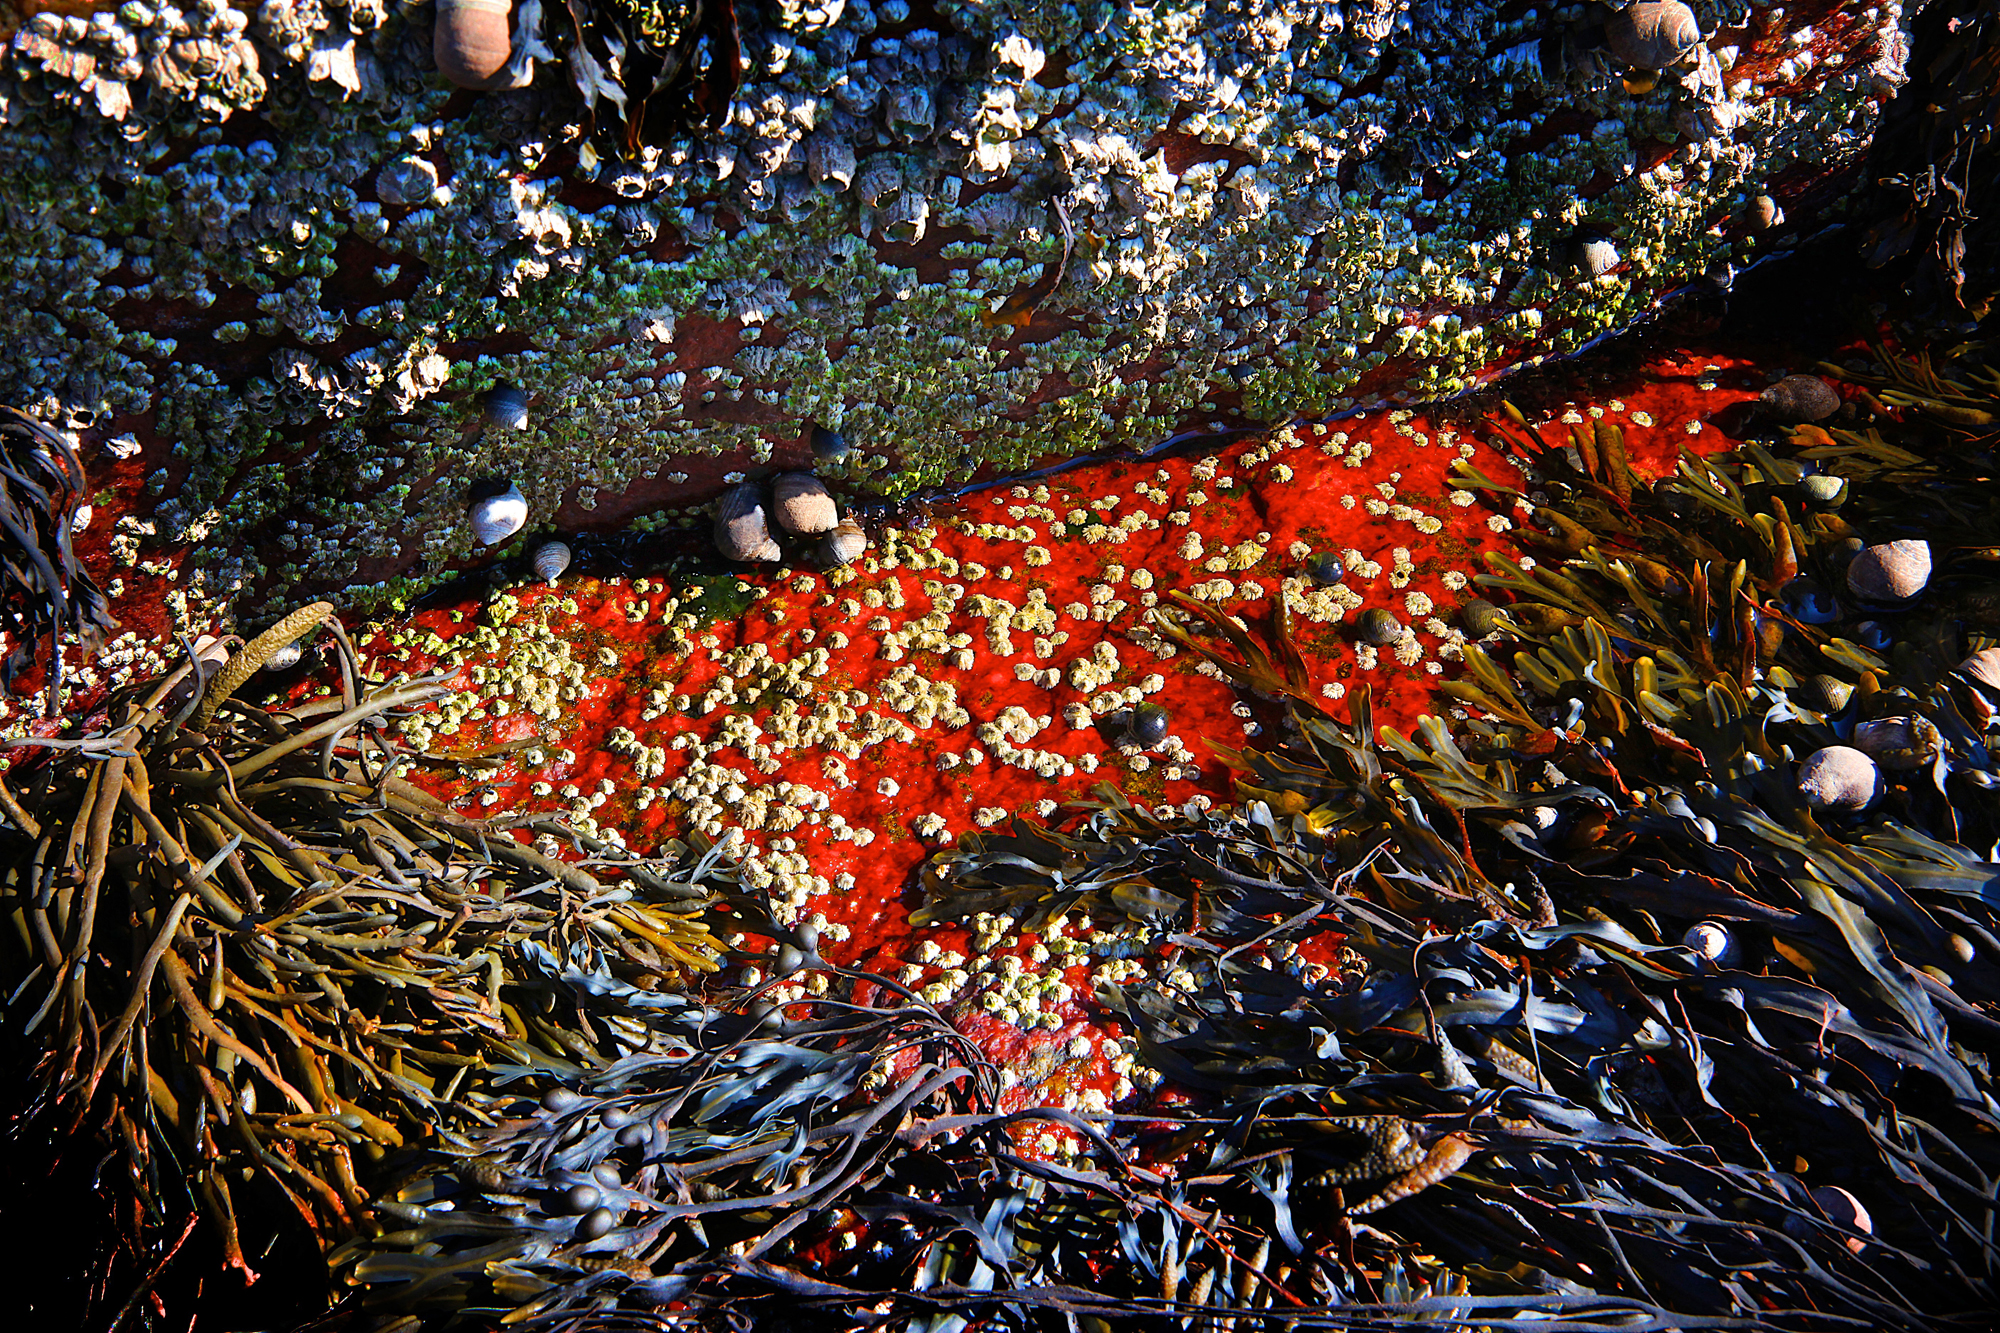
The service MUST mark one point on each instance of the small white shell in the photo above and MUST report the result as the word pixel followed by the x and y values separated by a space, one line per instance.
pixel 1891 572
pixel 498 517
pixel 1839 777
pixel 740 530
pixel 284 659
pixel 844 544
pixel 550 560
pixel 801 504
pixel 1712 941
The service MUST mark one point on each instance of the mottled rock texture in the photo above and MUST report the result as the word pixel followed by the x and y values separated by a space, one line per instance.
pixel 280 251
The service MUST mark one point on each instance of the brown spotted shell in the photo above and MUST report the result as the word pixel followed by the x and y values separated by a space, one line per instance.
pixel 1652 34
pixel 1798 398
pixel 844 544
pixel 802 505
pixel 473 40
pixel 740 530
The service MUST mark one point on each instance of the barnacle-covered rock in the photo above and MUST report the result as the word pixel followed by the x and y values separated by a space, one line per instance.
pixel 741 532
pixel 802 505
pixel 1799 398
pixel 869 183
pixel 1839 777
pixel 1892 572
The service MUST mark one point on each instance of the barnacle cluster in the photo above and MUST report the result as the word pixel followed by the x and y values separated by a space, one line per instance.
pixel 1195 211
pixel 256 958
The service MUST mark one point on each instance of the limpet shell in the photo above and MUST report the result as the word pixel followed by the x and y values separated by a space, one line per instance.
pixel 1891 572
pixel 1798 398
pixel 801 504
pixel 1652 34
pixel 1839 777
pixel 473 40
pixel 740 529
pixel 844 544
pixel 498 517
pixel 550 560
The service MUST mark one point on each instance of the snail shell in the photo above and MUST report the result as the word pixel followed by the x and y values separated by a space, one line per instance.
pixel 1379 627
pixel 1807 601
pixel 740 530
pixel 551 559
pixel 1325 569
pixel 829 446
pixel 845 544
pixel 1828 694
pixel 1147 726
pixel 1839 777
pixel 1652 34
pixel 1891 572
pixel 1982 668
pixel 1711 941
pixel 1798 398
pixel 802 504
pixel 506 407
pixel 1843 1209
pixel 1479 618
pixel 284 658
pixel 1762 214
pixel 498 517
pixel 473 40
pixel 1903 742
pixel 1824 491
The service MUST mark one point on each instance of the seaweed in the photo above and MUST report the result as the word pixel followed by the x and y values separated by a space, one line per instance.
pixel 45 592
pixel 256 959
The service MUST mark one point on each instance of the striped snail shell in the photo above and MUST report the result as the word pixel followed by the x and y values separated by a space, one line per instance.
pixel 802 505
pixel 740 530
pixel 1710 940
pixel 473 40
pixel 1379 627
pixel 284 658
pixel 550 560
pixel 498 517
pixel 844 544
pixel 1652 34
pixel 506 407
pixel 1591 255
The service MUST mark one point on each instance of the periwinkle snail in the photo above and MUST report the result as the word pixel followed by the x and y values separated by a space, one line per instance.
pixel 473 40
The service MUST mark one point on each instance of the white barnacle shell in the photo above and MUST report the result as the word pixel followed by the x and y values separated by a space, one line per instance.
pixel 907 218
pixel 879 181
pixel 1593 256
pixel 550 560
pixel 740 530
pixel 801 504
pixel 473 40
pixel 830 161
pixel 1712 942
pixel 1891 572
pixel 498 517
pixel 844 544
pixel 1839 777
pixel 1652 34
